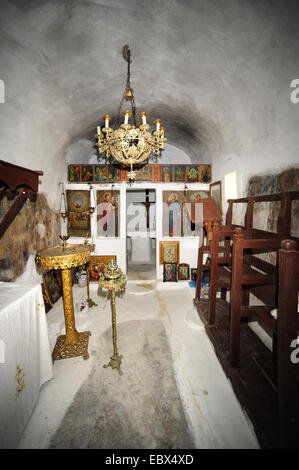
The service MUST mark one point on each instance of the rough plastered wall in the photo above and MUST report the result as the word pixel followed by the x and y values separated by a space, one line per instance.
pixel 36 226
pixel 265 215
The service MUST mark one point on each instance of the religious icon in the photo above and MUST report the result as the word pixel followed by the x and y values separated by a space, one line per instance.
pixel 87 173
pixel 52 284
pixel 166 171
pixel 173 197
pixel 197 196
pixel 169 252
pixel 193 274
pixel 205 173
pixel 100 174
pixel 107 213
pixel 179 173
pixel 144 173
pixel 113 173
pixel 184 272
pixel 205 284
pixel 192 173
pixel 79 217
pixel 170 272
pixel 74 173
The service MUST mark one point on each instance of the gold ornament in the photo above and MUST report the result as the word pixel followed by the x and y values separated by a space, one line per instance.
pixel 130 145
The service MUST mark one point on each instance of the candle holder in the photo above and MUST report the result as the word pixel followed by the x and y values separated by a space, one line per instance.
pixel 114 280
pixel 64 239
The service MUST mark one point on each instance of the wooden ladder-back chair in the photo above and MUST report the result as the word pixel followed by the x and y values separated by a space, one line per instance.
pixel 219 259
pixel 258 277
pixel 219 248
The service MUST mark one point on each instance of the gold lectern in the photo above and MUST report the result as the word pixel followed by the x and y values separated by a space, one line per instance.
pixel 64 257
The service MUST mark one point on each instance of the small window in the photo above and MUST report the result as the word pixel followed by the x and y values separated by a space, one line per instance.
pixel 230 186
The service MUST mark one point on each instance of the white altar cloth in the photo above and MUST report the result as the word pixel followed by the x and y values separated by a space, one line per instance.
pixel 25 357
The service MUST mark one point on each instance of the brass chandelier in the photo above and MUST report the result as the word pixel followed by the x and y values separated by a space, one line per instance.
pixel 130 144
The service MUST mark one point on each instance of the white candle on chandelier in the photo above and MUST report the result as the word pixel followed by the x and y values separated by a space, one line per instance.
pixel 98 130
pixel 126 118
pixel 158 123
pixel 107 119
pixel 127 114
pixel 143 116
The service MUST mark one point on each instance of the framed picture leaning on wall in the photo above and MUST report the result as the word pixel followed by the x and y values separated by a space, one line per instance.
pixel 170 252
pixel 170 272
pixel 193 274
pixel 52 287
pixel 98 264
pixel 216 193
pixel 184 272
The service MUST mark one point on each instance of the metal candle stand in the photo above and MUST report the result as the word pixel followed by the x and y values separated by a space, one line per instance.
pixel 114 280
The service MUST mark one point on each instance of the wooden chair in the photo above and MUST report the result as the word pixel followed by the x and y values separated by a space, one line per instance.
pixel 219 262
pixel 258 277
pixel 219 249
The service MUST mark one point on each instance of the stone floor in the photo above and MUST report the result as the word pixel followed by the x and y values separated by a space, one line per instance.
pixel 214 415
pixel 141 272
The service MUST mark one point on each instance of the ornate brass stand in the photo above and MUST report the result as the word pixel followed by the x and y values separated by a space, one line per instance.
pixel 114 280
pixel 64 257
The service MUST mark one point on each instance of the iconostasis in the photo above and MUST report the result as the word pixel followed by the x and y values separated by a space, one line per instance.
pixel 105 224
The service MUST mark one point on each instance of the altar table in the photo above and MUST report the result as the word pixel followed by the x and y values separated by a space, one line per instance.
pixel 25 357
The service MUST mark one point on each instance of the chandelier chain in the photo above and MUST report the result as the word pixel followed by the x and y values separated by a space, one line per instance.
pixel 118 112
pixel 132 98
pixel 130 145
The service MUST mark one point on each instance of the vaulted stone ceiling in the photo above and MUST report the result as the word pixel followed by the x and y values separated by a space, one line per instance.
pixel 202 66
